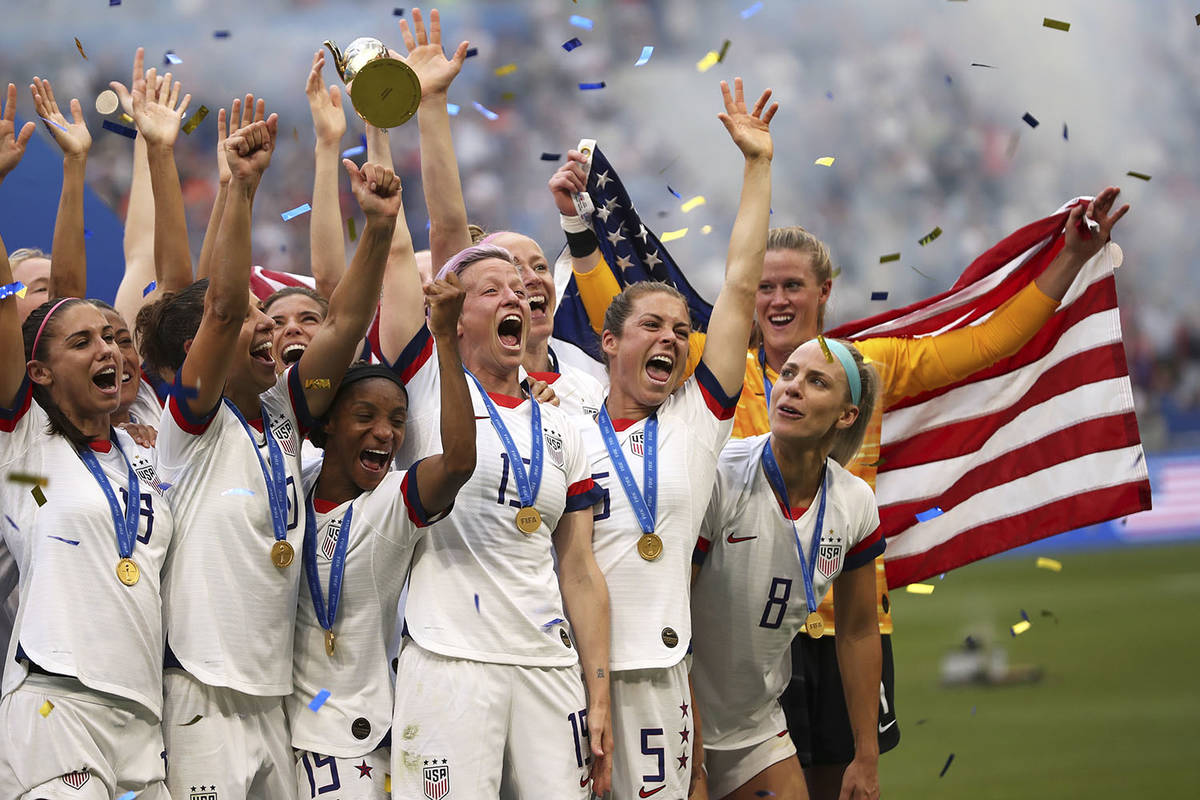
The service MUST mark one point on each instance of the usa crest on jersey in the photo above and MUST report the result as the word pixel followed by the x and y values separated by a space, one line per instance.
pixel 437 780
pixel 283 431
pixel 76 780
pixel 637 443
pixel 145 472
pixel 333 532
pixel 554 446
pixel 205 793
pixel 829 556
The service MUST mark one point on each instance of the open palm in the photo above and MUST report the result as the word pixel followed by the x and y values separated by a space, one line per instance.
pixel 12 143
pixel 71 135
pixel 425 56
pixel 157 108
pixel 750 130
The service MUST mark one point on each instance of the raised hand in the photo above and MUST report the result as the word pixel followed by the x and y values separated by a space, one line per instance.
pixel 750 131
pixel 72 135
pixel 376 188
pixel 242 112
pixel 567 180
pixel 425 55
pixel 12 143
pixel 329 118
pixel 1082 245
pixel 223 173
pixel 445 300
pixel 248 150
pixel 156 108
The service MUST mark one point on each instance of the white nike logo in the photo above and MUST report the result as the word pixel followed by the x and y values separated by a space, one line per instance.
pixel 883 728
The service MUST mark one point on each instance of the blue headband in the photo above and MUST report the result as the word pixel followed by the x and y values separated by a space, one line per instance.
pixel 848 364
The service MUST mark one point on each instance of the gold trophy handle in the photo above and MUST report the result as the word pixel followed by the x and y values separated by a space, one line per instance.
pixel 338 61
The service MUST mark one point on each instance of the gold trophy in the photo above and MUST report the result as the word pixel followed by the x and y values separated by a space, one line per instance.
pixel 385 90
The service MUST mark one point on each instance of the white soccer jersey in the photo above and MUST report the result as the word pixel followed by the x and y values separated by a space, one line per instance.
pixel 748 602
pixel 8 594
pixel 74 616
pixel 577 392
pixel 480 589
pixel 384 528
pixel 651 623
pixel 147 407
pixel 230 613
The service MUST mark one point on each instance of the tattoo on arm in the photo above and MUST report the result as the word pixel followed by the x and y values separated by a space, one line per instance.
pixel 599 673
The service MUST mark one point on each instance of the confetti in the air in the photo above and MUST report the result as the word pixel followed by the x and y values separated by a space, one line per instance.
pixel 150 287
pixel 879 295
pixel 824 161
pixel 25 477
pixel 670 236
pixel 114 2
pixel 487 112
pixel 472 52
pixel 919 588
pixel 1056 24
pixel 127 796
pixel 319 700
pixel 1030 120
pixel 1139 175
pixel 1049 563
pixel 947 765
pixel 551 156
pixel 171 58
pixel 977 64
pixel 647 51
pixel 889 257
pixel 672 191
pixel 476 603
pixel 571 44
pixel 352 229
pixel 238 493
pixel 295 212
pixel 1021 627
pixel 49 121
pixel 706 230
pixel 929 237
pixel 79 46
pixel 825 349
pixel 553 622
pixel 596 85
pixel 581 22
pixel 12 522
pixel 507 69
pixel 723 51
pixel 72 542
pixel 706 63
pixel 747 13
pixel 1024 615
pixel 107 102
pixel 351 152
pixel 220 34
pixel 925 516
pixel 695 202
pixel 1065 137
pixel 195 120
pixel 9 289
pixel 46 708
pixel 38 496
pixel 128 133
pixel 452 109
pixel 397 12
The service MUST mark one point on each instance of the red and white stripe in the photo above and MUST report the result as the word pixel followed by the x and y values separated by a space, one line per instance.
pixel 1177 502
pixel 265 282
pixel 1040 443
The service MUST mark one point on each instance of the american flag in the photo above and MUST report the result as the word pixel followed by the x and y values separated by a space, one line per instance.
pixel 1176 514
pixel 265 282
pixel 1040 443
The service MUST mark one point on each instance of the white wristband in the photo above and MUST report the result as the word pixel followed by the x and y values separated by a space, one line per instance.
pixel 572 224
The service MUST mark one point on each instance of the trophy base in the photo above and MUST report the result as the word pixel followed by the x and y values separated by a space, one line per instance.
pixel 386 93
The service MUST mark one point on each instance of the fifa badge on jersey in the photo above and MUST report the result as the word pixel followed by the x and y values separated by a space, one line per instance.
pixel 76 780
pixel 637 443
pixel 829 555
pixel 437 779
pixel 333 532
pixel 554 445
pixel 591 411
pixel 205 793
pixel 283 434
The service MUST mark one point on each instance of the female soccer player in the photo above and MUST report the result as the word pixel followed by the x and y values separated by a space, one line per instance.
pixel 230 447
pixel 787 519
pixel 653 449
pixel 363 524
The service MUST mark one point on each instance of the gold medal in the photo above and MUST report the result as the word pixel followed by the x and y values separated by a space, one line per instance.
pixel 650 546
pixel 814 625
pixel 128 572
pixel 282 554
pixel 329 642
pixel 528 520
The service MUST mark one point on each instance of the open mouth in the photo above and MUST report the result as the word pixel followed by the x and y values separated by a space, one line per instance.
pixel 509 332
pixel 789 412
pixel 262 354
pixel 537 305
pixel 106 380
pixel 374 460
pixel 291 354
pixel 126 377
pixel 659 368
pixel 780 320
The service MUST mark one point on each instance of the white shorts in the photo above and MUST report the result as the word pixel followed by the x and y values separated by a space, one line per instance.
pixel 236 744
pixel 652 728
pixel 729 769
pixel 470 729
pixel 332 778
pixel 88 746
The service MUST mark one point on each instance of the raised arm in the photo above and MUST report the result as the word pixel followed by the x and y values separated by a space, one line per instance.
pixel 327 244
pixel 439 169
pixel 353 303
pixel 733 313
pixel 204 263
pixel 12 372
pixel 248 151
pixel 440 477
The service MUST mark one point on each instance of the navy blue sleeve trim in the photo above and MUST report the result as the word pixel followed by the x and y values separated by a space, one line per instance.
pixel 9 415
pixel 713 391
pixel 414 355
pixel 587 498
pixel 304 417
pixel 192 423
pixel 861 558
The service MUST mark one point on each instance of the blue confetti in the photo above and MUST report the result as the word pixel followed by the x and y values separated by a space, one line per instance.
pixel 948 760
pixel 319 700
pixel 551 156
pixel 647 51
pixel 581 22
pixel 240 492
pixel 10 522
pixel 397 12
pixel 127 795
pixel 829 95
pixel 150 287
pixel 553 622
pixel 949 81
pixel 353 151
pixel 1030 119
pixel 114 2
pixel 87 233
pixel 128 133
pixel 747 13
pixel 162 487
pixel 9 289
pixel 49 121
pixel 472 52
pixel 933 513
pixel 586 86
pixel 678 196
pixel 879 295
pixel 1065 132
pixel 571 44
pixel 171 58
pixel 1024 616
pixel 492 115
pixel 220 34
pixel 74 542
pixel 476 604
pixel 295 212
pixel 452 109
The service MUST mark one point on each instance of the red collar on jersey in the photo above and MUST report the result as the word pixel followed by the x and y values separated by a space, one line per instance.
pixel 794 514
pixel 508 401
pixel 620 423
pixel 548 377
pixel 101 447
pixel 323 506
pixel 256 424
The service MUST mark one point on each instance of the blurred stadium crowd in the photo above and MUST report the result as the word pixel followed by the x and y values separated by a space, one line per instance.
pixel 922 138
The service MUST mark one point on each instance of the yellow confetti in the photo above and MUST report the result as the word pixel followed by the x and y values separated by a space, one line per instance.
pixel 670 236
pixel 387 784
pixel 1049 563
pixel 317 383
pixel 46 708
pixel 38 496
pixel 825 161
pixel 79 46
pixel 706 63
pixel 825 348
pixel 706 230
pixel 25 477
pixel 353 230
pixel 695 202
pixel 507 69
pixel 21 293
pixel 1021 627
pixel 919 588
